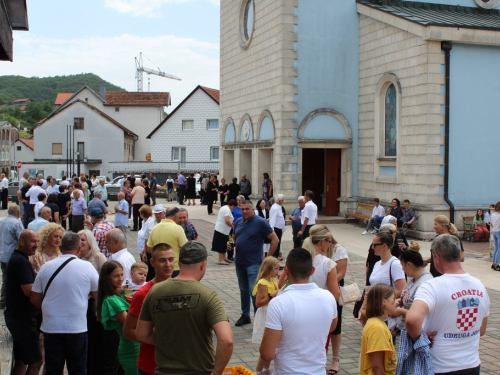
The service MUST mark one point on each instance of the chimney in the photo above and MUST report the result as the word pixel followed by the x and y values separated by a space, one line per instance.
pixel 102 92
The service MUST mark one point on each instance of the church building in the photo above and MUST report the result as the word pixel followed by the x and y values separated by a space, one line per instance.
pixel 357 99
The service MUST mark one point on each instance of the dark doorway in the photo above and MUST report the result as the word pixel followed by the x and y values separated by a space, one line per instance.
pixel 321 171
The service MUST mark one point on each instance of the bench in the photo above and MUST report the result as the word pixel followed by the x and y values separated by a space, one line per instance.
pixel 355 212
pixel 411 228
pixel 469 230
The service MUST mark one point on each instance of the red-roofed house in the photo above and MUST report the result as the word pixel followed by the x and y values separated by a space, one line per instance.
pixel 21 102
pixel 138 111
pixel 61 98
pixel 24 151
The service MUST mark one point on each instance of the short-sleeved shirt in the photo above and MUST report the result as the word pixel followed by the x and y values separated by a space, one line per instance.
pixel 220 225
pixel 296 225
pixel 457 305
pixel 271 286
pixel 181 180
pixel 408 215
pixel 121 220
pixel 310 211
pixel 19 272
pixel 100 230
pixel 96 203
pixel 10 230
pixel 191 232
pixel 301 348
pixel 167 231
pixel 154 184
pixel 139 194
pixel 64 307
pixel 146 360
pixel 104 190
pixel 183 313
pixel 78 207
pixel 376 337
pixel 250 239
pixel 236 212
pixel 380 274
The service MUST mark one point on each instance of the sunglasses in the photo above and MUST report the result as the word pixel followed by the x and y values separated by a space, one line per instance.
pixel 376 244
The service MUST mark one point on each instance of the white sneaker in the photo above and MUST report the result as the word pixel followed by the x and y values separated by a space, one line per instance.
pixel 375 231
pixel 365 232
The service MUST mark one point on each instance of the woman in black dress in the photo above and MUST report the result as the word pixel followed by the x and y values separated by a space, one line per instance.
pixel 147 189
pixel 234 189
pixel 63 201
pixel 211 194
pixel 191 189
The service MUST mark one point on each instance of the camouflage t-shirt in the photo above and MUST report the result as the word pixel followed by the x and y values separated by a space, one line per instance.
pixel 183 313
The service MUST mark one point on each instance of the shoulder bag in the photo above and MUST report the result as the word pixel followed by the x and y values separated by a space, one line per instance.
pixel 55 274
pixel 350 293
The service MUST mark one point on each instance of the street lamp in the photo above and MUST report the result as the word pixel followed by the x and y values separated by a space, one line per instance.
pixel 77 163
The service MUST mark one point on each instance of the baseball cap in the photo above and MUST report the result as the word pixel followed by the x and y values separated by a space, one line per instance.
pixel 158 208
pixel 192 252
pixel 96 212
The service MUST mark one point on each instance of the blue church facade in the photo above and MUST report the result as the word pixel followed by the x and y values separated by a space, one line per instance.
pixel 363 99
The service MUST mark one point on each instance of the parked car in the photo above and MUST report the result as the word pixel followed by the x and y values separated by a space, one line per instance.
pixel 114 182
pixel 13 188
pixel 106 179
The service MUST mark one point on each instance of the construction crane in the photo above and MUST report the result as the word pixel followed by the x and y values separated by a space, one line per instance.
pixel 141 69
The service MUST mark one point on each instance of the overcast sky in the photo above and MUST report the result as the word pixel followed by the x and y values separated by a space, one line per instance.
pixel 179 37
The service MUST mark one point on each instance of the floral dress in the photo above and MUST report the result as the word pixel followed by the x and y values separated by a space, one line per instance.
pixel 38 259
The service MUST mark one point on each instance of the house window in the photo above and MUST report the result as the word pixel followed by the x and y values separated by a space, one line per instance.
pixel 117 109
pixel 178 154
pixel 56 148
pixel 18 148
pixel 390 119
pixel 187 124
pixel 79 123
pixel 214 153
pixel 81 149
pixel 212 124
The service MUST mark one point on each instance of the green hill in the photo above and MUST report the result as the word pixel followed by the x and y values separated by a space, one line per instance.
pixel 46 89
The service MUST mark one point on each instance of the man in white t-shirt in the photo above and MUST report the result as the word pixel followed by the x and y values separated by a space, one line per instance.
pixel 452 309
pixel 295 347
pixel 64 305
pixel 115 242
pixel 309 215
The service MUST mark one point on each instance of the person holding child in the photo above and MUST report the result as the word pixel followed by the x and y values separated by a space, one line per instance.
pixel 112 311
pixel 378 355
pixel 265 290
pixel 135 281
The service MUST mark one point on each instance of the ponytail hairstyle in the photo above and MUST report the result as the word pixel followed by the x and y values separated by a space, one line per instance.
pixel 443 220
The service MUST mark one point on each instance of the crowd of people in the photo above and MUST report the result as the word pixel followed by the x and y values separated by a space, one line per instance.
pixel 103 312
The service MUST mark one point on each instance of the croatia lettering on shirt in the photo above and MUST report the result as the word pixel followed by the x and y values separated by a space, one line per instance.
pixel 468 292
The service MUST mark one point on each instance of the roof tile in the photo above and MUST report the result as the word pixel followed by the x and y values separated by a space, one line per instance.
pixel 62 97
pixel 114 98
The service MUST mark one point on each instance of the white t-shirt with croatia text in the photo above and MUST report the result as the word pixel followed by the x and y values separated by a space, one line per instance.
pixel 457 305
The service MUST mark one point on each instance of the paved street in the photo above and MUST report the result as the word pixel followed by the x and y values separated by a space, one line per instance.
pixel 223 280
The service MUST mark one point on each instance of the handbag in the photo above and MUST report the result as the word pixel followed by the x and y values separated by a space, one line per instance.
pixel 349 293
pixel 357 306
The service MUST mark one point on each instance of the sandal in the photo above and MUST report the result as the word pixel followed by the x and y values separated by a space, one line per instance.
pixel 223 264
pixel 333 371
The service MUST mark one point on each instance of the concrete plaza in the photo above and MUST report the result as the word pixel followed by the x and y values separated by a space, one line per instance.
pixel 223 280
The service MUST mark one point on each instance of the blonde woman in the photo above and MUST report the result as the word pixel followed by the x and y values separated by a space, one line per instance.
pixel 48 248
pixel 442 225
pixel 338 254
pixel 325 274
pixel 89 250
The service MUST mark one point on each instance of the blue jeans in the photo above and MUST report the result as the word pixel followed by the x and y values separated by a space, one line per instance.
pixel 27 214
pixel 247 276
pixel 377 221
pixel 496 254
pixel 65 347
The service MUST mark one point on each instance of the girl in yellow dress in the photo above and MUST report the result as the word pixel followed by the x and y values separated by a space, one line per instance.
pixel 265 289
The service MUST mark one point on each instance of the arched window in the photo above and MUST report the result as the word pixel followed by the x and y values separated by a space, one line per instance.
pixel 390 120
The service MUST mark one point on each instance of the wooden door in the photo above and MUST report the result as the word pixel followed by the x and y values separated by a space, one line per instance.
pixel 313 173
pixel 332 173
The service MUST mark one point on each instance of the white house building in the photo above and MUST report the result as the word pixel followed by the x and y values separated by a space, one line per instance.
pixel 190 133
pixel 80 127
pixel 187 139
